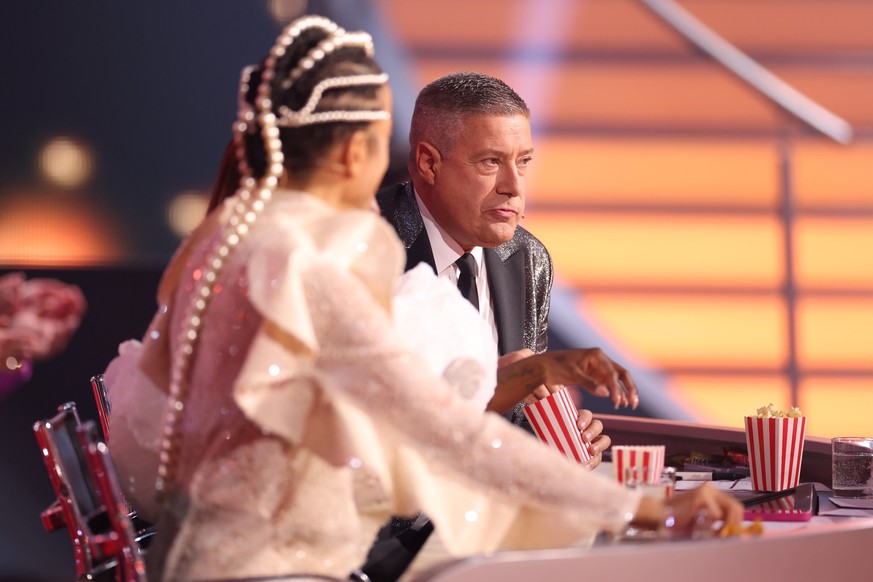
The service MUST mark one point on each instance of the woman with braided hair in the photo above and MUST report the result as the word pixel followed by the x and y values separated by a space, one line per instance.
pixel 272 419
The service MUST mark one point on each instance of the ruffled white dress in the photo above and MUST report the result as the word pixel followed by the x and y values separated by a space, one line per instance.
pixel 311 418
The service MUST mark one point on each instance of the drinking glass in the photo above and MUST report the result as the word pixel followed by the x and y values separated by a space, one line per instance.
pixel 852 466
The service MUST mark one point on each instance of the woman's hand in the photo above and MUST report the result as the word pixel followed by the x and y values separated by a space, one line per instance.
pixel 686 509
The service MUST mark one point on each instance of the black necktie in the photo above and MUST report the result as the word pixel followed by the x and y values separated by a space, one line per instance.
pixel 467 278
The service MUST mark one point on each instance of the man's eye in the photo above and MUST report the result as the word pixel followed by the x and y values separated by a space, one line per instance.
pixel 525 162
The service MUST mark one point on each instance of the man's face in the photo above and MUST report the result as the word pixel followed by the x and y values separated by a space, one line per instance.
pixel 479 183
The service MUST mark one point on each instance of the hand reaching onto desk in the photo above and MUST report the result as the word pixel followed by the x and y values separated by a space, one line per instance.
pixel 523 375
pixel 685 511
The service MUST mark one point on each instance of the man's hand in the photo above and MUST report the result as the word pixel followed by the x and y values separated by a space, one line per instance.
pixel 514 386
pixel 593 371
pixel 591 430
pixel 537 375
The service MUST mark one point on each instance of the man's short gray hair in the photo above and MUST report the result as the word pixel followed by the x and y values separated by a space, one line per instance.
pixel 443 104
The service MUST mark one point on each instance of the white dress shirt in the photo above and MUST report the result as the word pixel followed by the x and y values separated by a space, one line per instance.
pixel 446 251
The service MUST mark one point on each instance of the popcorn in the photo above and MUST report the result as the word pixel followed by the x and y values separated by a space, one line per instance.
pixel 775 442
pixel 771 411
pixel 755 528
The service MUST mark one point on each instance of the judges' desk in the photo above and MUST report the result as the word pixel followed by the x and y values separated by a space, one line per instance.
pixel 823 549
pixel 829 552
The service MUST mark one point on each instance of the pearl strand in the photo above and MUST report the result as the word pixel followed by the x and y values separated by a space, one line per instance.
pixel 239 224
pixel 245 213
pixel 338 39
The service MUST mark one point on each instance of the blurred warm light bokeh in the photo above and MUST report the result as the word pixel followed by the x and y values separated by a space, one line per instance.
pixel 65 162
pixel 285 10
pixel 39 230
pixel 658 250
pixel 185 211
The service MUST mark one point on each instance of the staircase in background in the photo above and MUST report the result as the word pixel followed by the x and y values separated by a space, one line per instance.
pixel 656 185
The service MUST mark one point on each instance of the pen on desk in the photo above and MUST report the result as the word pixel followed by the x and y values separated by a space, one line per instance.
pixel 767 497
pixel 708 476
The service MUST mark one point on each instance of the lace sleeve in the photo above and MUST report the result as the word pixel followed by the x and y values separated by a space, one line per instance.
pixel 485 483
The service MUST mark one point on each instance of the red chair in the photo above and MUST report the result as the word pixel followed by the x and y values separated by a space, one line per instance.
pixel 101 397
pixel 89 503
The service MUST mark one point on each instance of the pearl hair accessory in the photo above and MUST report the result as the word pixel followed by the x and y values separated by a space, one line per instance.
pixel 306 116
pixel 250 200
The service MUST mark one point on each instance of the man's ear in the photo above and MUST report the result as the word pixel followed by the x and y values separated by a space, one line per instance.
pixel 427 161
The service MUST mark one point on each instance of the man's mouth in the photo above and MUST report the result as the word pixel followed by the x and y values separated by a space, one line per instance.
pixel 506 213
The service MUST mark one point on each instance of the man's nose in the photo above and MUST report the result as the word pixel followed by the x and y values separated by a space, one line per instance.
pixel 510 182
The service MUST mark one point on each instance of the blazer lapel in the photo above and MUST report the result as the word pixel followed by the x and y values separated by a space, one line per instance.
pixel 420 252
pixel 399 207
pixel 508 298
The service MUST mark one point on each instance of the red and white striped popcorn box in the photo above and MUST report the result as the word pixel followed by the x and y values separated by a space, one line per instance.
pixel 782 509
pixel 554 421
pixel 641 463
pixel 775 451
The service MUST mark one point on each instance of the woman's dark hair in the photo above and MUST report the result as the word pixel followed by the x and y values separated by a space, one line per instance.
pixel 227 180
pixel 302 146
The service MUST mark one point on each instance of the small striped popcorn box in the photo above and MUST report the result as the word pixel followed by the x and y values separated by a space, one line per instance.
pixel 775 451
pixel 635 465
pixel 554 421
pixel 782 509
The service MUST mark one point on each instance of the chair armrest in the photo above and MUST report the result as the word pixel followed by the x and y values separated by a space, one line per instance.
pixel 108 544
pixel 53 517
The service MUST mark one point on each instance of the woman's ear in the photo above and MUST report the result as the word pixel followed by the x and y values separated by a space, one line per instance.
pixel 356 153
pixel 427 161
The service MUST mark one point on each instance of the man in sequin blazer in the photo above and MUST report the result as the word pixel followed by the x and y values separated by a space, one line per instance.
pixel 471 145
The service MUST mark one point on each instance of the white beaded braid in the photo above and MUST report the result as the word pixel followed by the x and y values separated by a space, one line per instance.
pixel 291 118
pixel 250 200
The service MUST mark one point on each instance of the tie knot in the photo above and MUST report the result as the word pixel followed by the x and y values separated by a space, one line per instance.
pixel 467 265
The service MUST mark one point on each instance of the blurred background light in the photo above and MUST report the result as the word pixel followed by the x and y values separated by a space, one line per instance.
pixel 65 162
pixel 39 228
pixel 185 211
pixel 284 10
